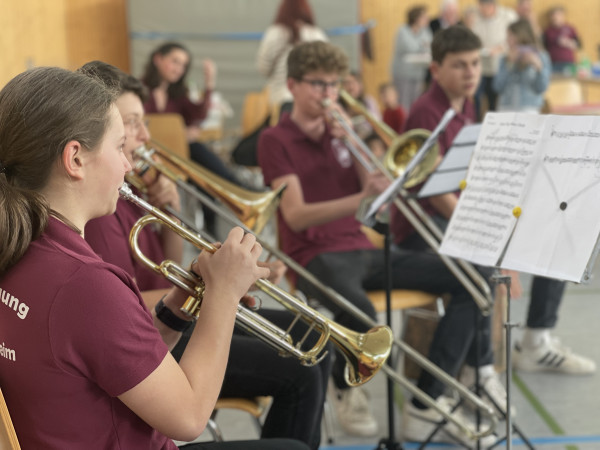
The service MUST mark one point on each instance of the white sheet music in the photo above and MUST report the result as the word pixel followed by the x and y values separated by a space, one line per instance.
pixel 549 167
pixel 483 220
pixel 560 224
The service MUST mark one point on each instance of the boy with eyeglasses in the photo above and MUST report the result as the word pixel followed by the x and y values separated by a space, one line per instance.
pixel 317 222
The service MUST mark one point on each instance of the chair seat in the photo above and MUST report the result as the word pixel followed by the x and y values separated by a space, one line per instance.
pixel 254 406
pixel 401 299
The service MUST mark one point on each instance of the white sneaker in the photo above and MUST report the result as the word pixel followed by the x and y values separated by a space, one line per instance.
pixel 492 386
pixel 418 424
pixel 353 411
pixel 551 356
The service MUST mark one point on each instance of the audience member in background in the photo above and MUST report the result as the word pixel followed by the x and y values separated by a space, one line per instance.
pixel 562 42
pixel 411 56
pixel 524 72
pixel 490 24
pixel 353 85
pixel 449 15
pixel 165 77
pixel 393 114
pixel 253 369
pixel 293 23
pixel 525 11
pixel 468 16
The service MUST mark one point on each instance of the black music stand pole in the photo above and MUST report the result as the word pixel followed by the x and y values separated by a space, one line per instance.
pixel 383 227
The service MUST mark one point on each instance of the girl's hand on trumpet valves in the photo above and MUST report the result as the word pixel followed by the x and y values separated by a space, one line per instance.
pixel 233 267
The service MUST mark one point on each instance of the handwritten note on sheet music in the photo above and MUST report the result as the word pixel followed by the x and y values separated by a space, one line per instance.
pixel 549 166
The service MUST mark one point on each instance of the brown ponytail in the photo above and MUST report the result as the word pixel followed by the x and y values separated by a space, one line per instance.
pixel 41 110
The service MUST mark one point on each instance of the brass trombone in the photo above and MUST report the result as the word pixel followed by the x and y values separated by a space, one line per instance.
pixel 365 353
pixel 228 215
pixel 401 148
pixel 254 209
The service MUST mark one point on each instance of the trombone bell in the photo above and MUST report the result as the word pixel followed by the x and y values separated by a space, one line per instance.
pixel 403 149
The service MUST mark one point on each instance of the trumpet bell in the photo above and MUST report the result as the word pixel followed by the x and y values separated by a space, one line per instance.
pixel 365 353
pixel 403 148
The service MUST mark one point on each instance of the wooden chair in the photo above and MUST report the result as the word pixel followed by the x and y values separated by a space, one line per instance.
pixel 253 406
pixel 8 436
pixel 168 129
pixel 255 111
pixel 563 94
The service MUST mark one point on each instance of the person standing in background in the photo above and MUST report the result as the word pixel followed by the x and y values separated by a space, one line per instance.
pixel 449 15
pixel 393 114
pixel 490 24
pixel 524 72
pixel 525 11
pixel 562 42
pixel 294 23
pixel 411 56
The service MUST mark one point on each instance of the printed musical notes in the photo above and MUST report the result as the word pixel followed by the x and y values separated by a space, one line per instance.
pixel 549 167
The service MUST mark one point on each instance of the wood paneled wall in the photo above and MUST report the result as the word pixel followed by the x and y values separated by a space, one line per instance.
pixel 390 14
pixel 69 33
pixel 64 33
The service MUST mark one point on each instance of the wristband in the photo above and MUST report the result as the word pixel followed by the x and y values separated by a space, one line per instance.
pixel 166 316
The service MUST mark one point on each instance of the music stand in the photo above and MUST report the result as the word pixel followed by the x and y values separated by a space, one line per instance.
pixel 369 213
pixel 530 175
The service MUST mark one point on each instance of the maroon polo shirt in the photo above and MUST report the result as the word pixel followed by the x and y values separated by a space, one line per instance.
pixel 192 113
pixel 426 113
pixel 109 237
pixel 75 334
pixel 326 172
pixel 557 52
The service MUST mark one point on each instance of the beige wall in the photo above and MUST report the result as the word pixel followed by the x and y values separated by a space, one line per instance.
pixel 390 14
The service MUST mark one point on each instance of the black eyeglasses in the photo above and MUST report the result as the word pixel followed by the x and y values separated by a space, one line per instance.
pixel 322 85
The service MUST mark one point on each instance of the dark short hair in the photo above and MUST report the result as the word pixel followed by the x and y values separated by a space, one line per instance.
pixel 115 78
pixel 314 56
pixel 414 13
pixel 454 39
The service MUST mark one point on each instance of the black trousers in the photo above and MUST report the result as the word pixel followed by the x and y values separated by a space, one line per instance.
pixel 263 444
pixel 546 296
pixel 353 273
pixel 298 391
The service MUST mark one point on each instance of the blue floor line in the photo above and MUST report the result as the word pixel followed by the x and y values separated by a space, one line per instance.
pixel 535 441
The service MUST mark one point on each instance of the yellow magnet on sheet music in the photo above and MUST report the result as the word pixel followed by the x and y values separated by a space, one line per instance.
pixel 516 211
pixel 462 185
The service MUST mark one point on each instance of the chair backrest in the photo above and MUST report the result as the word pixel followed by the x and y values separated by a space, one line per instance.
pixel 564 92
pixel 8 436
pixel 168 129
pixel 255 111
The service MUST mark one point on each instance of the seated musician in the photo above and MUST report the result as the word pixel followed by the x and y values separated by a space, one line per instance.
pixel 89 365
pixel 253 369
pixel 316 219
pixel 455 70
